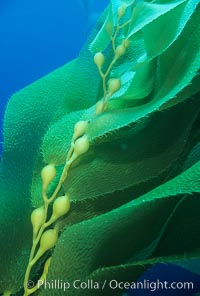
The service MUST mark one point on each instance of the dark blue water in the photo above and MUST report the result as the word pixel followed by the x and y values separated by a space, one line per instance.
pixel 161 280
pixel 37 37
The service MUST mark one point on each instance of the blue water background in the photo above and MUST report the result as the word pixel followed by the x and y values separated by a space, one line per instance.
pixel 38 36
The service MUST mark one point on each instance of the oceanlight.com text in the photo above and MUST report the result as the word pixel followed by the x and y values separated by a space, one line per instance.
pixel 90 284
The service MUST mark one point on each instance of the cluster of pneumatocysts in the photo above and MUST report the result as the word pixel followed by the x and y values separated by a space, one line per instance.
pixel 45 232
pixel 112 85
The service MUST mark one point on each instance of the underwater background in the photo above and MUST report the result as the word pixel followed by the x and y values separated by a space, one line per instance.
pixel 36 38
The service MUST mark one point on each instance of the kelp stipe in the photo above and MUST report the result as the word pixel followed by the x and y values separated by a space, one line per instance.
pixel 125 200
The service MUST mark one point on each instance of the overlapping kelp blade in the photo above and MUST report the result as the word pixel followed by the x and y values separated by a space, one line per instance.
pixel 144 227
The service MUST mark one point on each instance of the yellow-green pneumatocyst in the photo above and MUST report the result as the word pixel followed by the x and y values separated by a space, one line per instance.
pixel 37 219
pixel 121 11
pixel 61 207
pixel 114 85
pixel 126 43
pixel 120 51
pixel 99 60
pixel 99 107
pixel 48 240
pixel 80 128
pixel 109 28
pixel 48 174
pixel 81 145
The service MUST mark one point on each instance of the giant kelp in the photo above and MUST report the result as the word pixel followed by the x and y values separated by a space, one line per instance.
pixel 134 192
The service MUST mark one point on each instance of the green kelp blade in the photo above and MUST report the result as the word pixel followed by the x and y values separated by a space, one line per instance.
pixel 15 225
pixel 137 85
pixel 91 244
pixel 180 62
pixel 136 53
pixel 162 32
pixel 190 90
pixel 146 12
pixel 134 71
pixel 193 156
pixel 57 139
pixel 126 80
pixel 115 4
pixel 103 36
